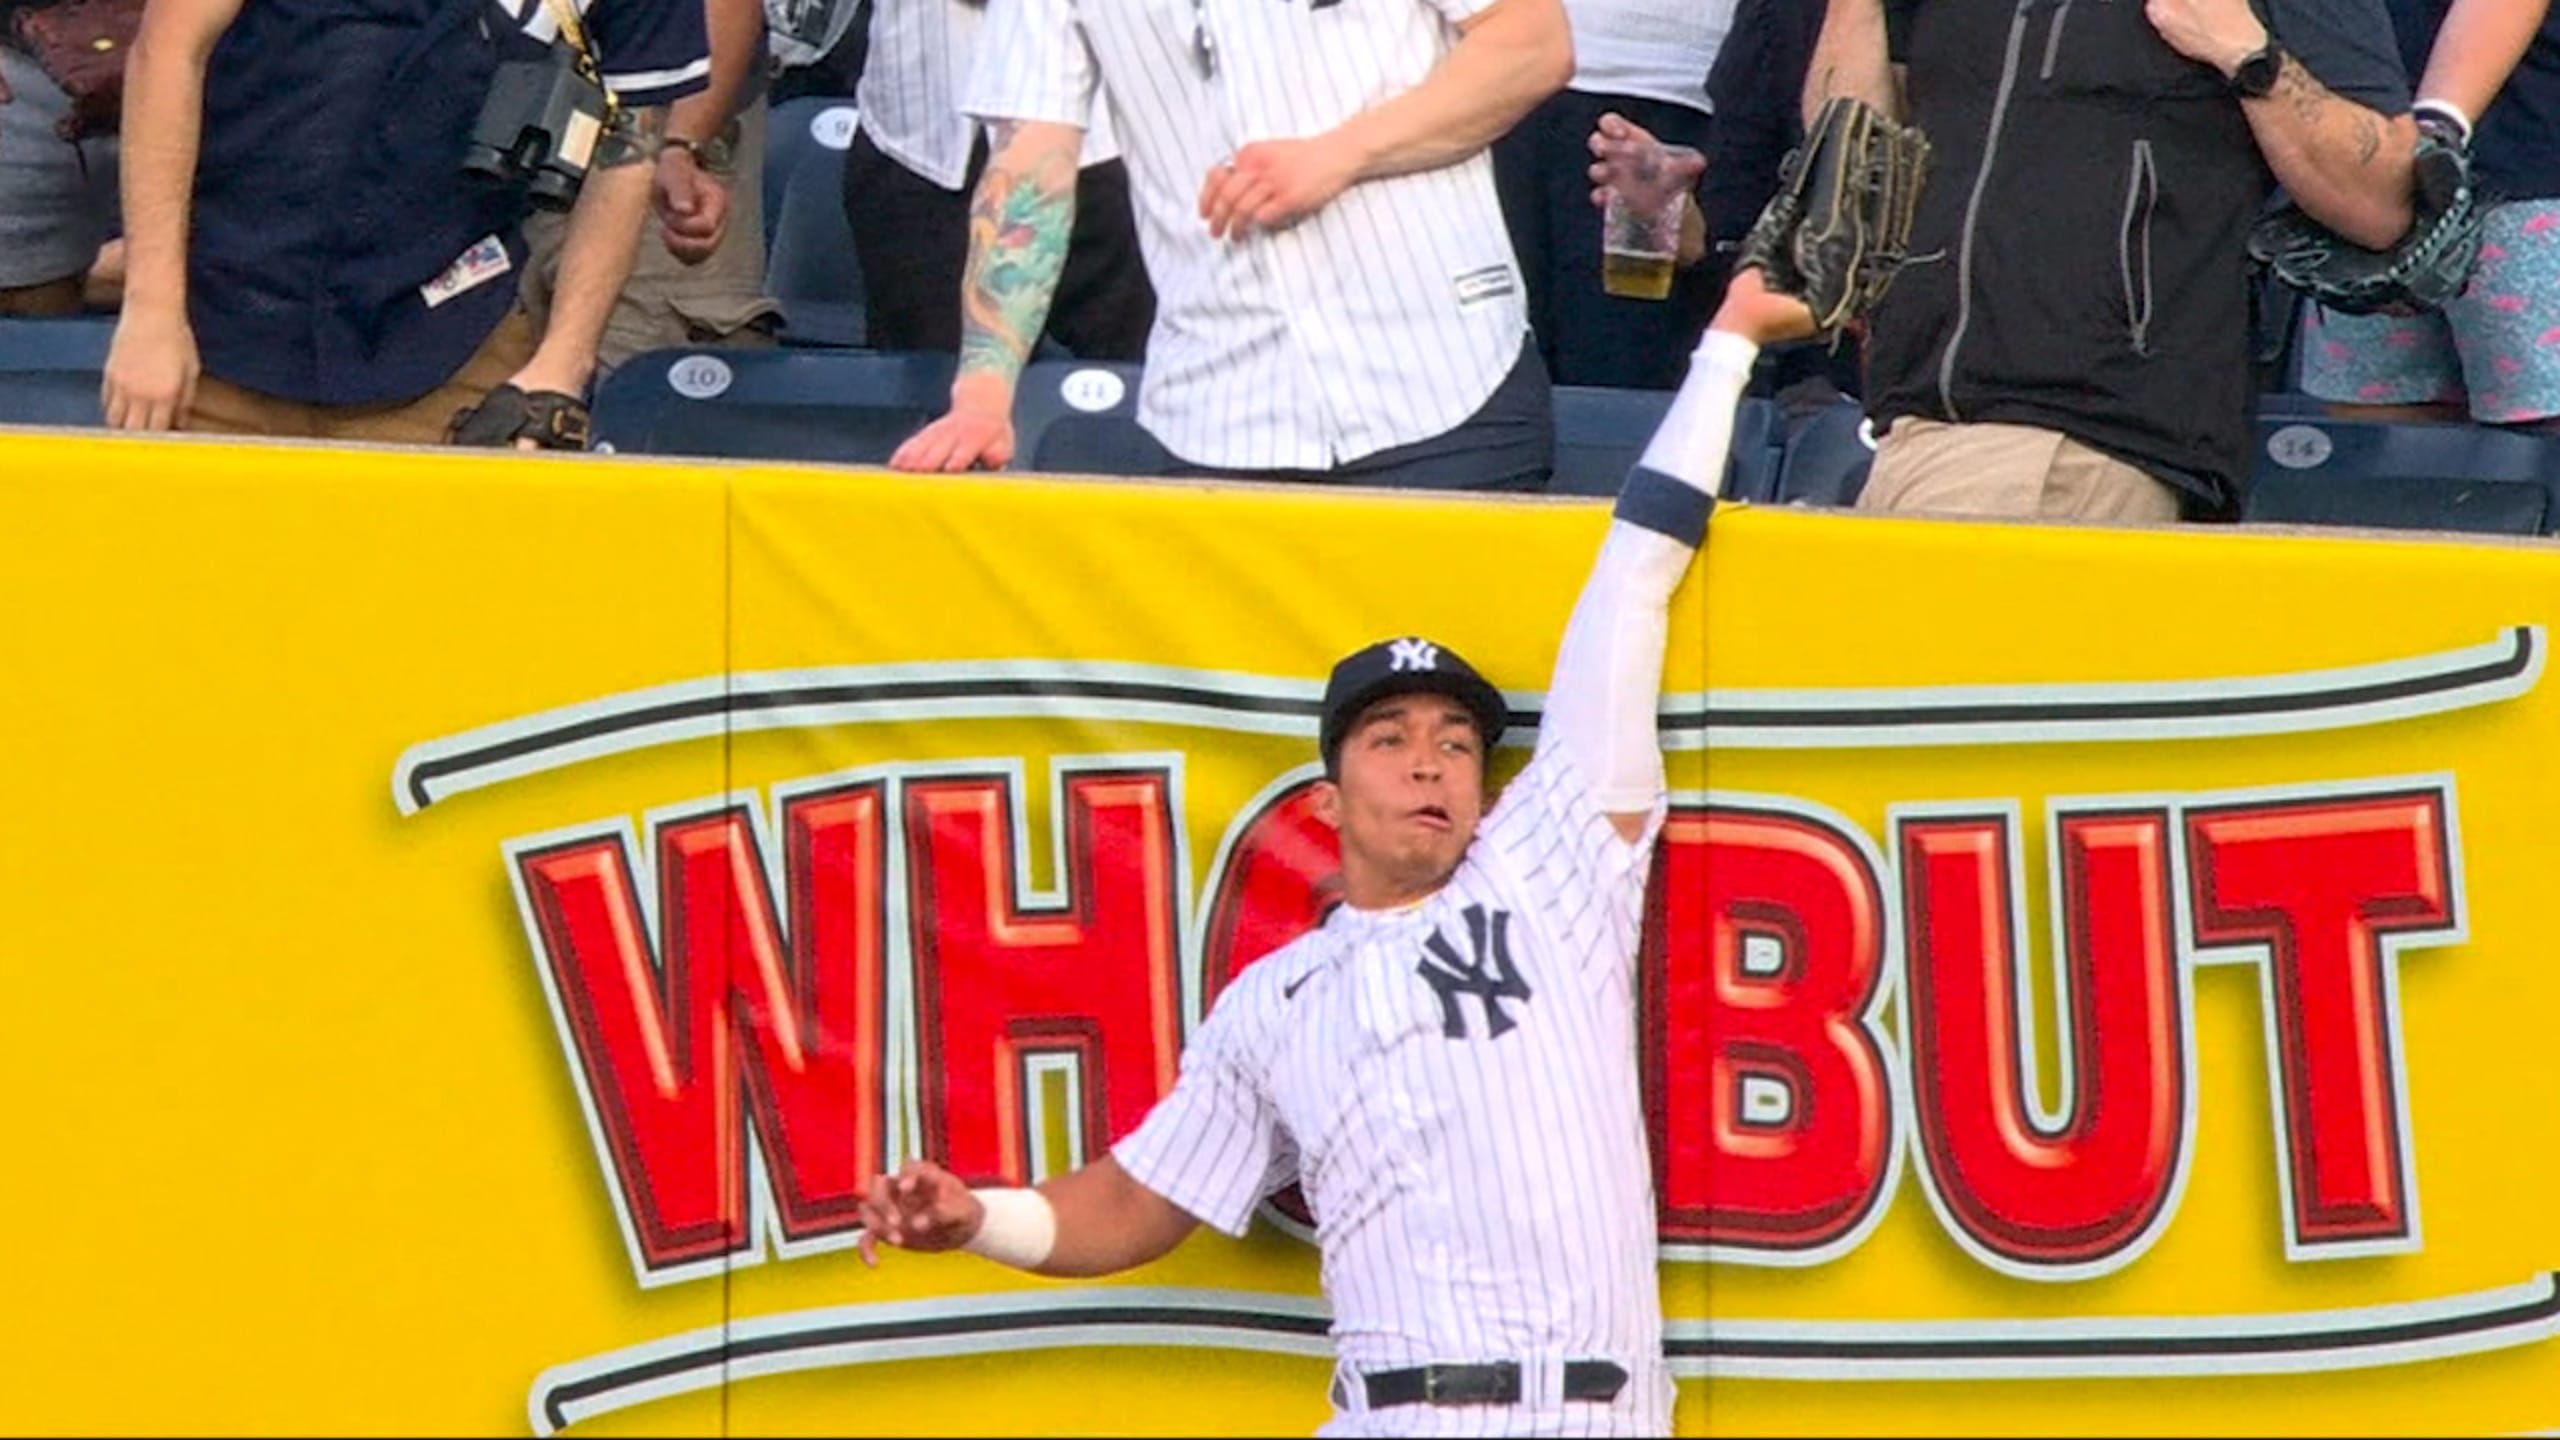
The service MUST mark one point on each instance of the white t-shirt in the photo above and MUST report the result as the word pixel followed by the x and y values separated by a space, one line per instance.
pixel 1657 49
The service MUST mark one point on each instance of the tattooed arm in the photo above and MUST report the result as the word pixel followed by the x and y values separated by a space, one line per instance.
pixel 1850 58
pixel 595 256
pixel 1019 221
pixel 2346 166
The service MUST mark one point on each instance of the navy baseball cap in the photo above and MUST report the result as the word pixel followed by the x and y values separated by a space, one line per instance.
pixel 1405 666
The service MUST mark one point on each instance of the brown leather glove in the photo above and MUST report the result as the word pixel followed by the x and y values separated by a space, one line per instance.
pixel 1839 226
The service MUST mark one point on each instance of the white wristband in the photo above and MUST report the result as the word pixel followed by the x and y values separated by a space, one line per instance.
pixel 2448 110
pixel 1020 1230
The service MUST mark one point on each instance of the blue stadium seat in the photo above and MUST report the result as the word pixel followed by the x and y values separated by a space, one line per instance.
pixel 1078 417
pixel 50 369
pixel 810 265
pixel 2294 403
pixel 795 130
pixel 1601 433
pixel 846 406
pixel 1824 455
pixel 2401 475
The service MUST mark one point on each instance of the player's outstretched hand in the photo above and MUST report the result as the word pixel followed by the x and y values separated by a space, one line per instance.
pixel 923 1207
pixel 1754 311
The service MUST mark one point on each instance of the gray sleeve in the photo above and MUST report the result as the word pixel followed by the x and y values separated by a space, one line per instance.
pixel 2347 45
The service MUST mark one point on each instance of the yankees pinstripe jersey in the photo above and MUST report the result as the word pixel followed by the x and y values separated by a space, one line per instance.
pixel 908 100
pixel 1453 1086
pixel 1658 49
pixel 1386 318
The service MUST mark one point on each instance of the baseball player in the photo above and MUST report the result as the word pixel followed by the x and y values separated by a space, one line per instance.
pixel 1446 1065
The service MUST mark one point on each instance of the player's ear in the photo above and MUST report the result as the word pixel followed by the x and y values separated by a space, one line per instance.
pixel 1328 799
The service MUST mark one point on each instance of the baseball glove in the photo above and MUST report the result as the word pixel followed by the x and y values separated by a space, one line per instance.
pixel 2427 267
pixel 548 418
pixel 1839 226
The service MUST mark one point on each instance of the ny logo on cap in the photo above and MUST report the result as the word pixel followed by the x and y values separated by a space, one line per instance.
pixel 1412 655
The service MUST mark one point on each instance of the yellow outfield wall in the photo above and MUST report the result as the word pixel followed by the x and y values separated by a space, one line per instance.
pixel 472 925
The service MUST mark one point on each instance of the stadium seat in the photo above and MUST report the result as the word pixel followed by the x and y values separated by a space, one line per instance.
pixel 50 369
pixel 1824 454
pixel 810 265
pixel 846 406
pixel 1601 433
pixel 2400 475
pixel 795 130
pixel 2294 403
pixel 812 269
pixel 1077 417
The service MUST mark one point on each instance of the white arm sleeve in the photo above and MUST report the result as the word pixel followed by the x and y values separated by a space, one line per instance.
pixel 1607 687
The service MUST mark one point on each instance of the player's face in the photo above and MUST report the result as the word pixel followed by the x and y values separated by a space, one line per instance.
pixel 1408 798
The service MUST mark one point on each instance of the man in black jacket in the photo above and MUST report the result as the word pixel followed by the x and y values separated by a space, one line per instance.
pixel 2070 339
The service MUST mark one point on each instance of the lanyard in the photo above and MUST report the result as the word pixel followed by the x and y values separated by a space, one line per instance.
pixel 566 14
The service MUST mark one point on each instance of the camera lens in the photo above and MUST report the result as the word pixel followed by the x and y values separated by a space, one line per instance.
pixel 548 189
pixel 489 160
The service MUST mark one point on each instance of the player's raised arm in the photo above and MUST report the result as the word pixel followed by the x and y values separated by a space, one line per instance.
pixel 1096 1220
pixel 1607 686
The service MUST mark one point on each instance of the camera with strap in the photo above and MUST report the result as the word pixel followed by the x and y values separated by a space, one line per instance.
pixel 547 121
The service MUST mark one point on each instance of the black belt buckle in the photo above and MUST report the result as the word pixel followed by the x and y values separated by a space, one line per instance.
pixel 1496 1383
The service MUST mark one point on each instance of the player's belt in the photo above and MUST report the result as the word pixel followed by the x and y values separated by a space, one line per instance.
pixel 1494 1384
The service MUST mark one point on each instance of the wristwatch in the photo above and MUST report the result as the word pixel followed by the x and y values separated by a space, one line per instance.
pixel 712 154
pixel 2255 79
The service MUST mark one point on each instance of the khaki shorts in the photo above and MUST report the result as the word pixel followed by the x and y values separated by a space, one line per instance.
pixel 1929 466
pixel 667 303
pixel 222 408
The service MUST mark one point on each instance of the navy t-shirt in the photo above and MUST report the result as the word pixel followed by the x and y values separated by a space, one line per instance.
pixel 330 193
pixel 2515 143
pixel 1757 89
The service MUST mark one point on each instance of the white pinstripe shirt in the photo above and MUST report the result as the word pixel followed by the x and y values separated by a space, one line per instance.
pixel 1388 317
pixel 908 100
pixel 1478 1196
pixel 1658 49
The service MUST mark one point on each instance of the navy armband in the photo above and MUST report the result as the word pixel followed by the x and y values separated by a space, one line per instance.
pixel 1651 500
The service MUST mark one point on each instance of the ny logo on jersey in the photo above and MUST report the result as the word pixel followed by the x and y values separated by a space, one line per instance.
pixel 1412 655
pixel 1489 975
